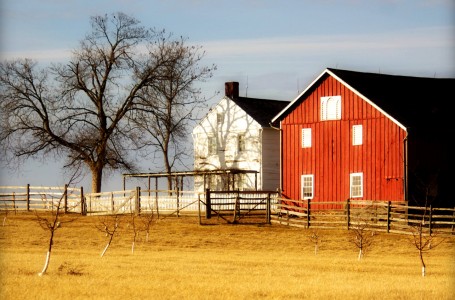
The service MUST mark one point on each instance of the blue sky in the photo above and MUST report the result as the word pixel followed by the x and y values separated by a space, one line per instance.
pixel 277 47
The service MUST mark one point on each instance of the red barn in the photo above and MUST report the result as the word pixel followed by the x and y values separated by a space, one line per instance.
pixel 366 136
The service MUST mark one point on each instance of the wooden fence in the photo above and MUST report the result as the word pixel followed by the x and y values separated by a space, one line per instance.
pixel 239 206
pixel 162 202
pixel 69 199
pixel 386 216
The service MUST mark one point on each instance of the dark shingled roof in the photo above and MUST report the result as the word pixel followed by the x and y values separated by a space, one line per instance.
pixel 415 102
pixel 261 110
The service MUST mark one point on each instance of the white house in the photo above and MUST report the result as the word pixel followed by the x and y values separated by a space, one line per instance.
pixel 235 147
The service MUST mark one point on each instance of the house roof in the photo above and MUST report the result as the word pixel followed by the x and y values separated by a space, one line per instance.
pixel 261 110
pixel 413 102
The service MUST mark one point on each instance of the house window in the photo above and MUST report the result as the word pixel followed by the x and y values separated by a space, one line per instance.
pixel 330 108
pixel 219 119
pixel 356 185
pixel 212 145
pixel 307 185
pixel 241 143
pixel 357 132
pixel 306 137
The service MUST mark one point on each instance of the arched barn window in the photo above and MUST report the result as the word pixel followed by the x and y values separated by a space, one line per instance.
pixel 330 108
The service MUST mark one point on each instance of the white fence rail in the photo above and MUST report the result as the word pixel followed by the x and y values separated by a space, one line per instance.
pixel 40 198
pixel 72 199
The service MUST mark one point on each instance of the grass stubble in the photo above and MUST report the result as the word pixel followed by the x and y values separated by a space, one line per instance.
pixel 184 260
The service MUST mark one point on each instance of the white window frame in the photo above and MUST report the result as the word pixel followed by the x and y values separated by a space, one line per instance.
pixel 212 147
pixel 306 137
pixel 304 190
pixel 219 118
pixel 330 108
pixel 241 142
pixel 357 135
pixel 356 185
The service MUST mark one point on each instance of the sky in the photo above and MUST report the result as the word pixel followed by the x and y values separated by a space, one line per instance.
pixel 274 49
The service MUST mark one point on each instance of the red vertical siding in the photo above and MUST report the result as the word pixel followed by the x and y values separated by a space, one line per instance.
pixel 332 157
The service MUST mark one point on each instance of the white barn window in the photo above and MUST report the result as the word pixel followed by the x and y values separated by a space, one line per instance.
pixel 356 185
pixel 357 135
pixel 307 185
pixel 331 108
pixel 306 137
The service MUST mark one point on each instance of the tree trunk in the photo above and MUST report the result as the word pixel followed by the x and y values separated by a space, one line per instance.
pixel 46 264
pixel 97 176
pixel 108 244
pixel 105 249
pixel 167 167
pixel 360 254
pixel 49 250
pixel 423 263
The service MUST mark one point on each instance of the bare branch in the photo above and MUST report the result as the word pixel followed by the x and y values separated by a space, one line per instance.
pixel 85 110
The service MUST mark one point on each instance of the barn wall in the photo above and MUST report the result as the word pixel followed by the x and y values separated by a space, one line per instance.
pixel 332 156
pixel 270 159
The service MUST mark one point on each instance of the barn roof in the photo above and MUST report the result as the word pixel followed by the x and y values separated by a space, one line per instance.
pixel 261 110
pixel 412 101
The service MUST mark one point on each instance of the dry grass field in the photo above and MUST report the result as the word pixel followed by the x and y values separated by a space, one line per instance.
pixel 184 260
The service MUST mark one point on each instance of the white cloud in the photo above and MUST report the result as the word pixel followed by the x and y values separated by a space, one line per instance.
pixel 41 56
pixel 410 39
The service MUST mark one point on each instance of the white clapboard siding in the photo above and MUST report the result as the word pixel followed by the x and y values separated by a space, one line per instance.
pixel 226 121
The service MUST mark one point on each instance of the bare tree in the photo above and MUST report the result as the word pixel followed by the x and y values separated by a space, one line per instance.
pixel 109 225
pixel 6 211
pixel 316 239
pixel 135 230
pixel 361 237
pixel 424 239
pixel 147 220
pixel 78 111
pixel 170 104
pixel 51 224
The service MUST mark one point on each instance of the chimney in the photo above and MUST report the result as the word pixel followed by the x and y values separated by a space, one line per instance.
pixel 232 89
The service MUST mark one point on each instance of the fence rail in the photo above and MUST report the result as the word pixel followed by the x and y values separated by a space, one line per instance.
pixel 40 198
pixel 386 216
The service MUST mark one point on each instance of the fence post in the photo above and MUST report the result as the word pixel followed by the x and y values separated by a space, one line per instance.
pixel 208 205
pixel 177 197
pixel 156 198
pixel 65 199
pixel 199 207
pixel 112 202
pixel 348 212
pixel 429 219
pixel 453 219
pixel 236 208
pixel 14 203
pixel 138 200
pixel 388 216
pixel 28 197
pixel 83 203
pixel 308 217
pixel 267 209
